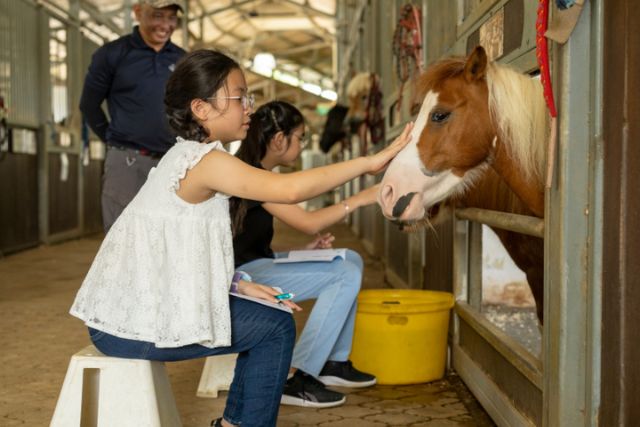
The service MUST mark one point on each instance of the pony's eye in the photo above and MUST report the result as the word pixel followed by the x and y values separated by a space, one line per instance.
pixel 439 116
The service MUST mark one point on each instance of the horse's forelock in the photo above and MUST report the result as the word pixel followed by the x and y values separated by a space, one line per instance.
pixel 437 73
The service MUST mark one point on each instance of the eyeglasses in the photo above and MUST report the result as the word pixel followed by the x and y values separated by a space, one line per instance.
pixel 302 140
pixel 247 100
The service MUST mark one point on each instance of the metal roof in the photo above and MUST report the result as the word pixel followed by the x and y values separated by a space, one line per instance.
pixel 300 34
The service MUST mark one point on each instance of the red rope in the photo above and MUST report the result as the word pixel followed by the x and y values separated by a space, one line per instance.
pixel 542 53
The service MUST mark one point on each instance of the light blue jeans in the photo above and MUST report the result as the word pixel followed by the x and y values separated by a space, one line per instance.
pixel 328 332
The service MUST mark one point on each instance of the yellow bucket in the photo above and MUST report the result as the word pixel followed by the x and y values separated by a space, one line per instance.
pixel 401 335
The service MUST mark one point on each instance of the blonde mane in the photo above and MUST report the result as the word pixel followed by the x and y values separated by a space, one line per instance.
pixel 359 84
pixel 518 109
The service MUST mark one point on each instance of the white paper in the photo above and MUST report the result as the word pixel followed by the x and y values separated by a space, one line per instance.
pixel 314 255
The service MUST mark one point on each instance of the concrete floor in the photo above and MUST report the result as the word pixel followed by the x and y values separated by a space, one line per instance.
pixel 39 336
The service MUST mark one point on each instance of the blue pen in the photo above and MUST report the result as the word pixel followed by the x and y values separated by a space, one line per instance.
pixel 286 296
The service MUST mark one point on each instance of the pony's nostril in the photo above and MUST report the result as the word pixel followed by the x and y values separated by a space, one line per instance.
pixel 402 204
pixel 386 195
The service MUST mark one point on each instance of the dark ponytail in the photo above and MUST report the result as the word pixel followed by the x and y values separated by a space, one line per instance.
pixel 266 122
pixel 198 75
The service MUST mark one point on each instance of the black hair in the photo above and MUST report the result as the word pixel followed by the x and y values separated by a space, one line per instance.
pixel 198 74
pixel 266 122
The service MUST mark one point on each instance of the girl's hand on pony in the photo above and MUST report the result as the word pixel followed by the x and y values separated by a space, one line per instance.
pixel 322 241
pixel 380 160
pixel 264 292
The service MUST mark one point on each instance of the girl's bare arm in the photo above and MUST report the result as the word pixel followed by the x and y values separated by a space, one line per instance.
pixel 315 221
pixel 219 171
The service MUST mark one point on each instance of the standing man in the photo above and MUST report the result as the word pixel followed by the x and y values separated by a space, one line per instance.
pixel 131 73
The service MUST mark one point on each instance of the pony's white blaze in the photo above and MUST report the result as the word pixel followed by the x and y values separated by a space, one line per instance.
pixel 404 175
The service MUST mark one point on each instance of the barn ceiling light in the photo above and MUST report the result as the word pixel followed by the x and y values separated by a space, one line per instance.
pixel 264 63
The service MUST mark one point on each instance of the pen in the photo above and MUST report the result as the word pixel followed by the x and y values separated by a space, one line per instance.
pixel 283 297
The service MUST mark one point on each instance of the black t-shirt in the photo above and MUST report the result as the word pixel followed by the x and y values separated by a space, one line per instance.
pixel 254 241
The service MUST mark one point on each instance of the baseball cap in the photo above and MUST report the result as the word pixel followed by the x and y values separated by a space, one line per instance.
pixel 157 4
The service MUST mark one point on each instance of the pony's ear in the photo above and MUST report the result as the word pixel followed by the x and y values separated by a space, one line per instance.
pixel 476 66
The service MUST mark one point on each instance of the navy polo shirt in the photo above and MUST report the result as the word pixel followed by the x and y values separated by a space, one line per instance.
pixel 131 76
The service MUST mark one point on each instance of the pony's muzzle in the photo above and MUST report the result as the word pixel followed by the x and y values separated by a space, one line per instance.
pixel 402 204
pixel 391 207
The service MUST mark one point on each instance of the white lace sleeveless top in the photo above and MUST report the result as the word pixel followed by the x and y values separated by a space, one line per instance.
pixel 163 271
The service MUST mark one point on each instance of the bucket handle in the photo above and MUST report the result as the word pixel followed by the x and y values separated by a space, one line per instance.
pixel 397 320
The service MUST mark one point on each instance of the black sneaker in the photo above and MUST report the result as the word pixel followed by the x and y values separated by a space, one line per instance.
pixel 304 390
pixel 343 374
pixel 216 423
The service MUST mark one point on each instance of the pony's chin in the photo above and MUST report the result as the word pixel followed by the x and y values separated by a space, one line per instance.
pixel 433 215
pixel 432 212
pixel 438 213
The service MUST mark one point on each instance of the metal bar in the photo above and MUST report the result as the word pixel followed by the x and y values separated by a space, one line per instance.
pixel 185 26
pixel 572 295
pixel 493 400
pixel 43 135
pixel 529 365
pixel 460 261
pixel 353 41
pixel 475 265
pixel 126 14
pixel 55 11
pixel 529 225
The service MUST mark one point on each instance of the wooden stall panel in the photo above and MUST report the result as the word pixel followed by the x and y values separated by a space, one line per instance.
pixel 524 395
pixel 92 188
pixel 621 247
pixel 440 35
pixel 397 257
pixel 19 206
pixel 63 192
pixel 438 266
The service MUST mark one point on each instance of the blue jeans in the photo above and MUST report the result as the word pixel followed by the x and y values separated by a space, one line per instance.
pixel 328 333
pixel 262 337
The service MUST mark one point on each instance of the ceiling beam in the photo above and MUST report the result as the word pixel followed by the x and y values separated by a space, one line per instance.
pixel 304 48
pixel 234 5
pixel 99 18
pixel 305 6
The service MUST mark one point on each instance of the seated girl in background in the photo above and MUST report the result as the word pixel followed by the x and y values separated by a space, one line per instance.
pixel 275 138
pixel 158 287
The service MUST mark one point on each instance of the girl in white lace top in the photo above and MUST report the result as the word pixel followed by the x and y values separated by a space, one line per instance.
pixel 158 287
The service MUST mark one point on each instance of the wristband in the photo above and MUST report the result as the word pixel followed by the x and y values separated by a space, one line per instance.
pixel 346 210
pixel 237 276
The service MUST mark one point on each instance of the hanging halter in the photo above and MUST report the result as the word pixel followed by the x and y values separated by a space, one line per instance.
pixel 407 45
pixel 374 116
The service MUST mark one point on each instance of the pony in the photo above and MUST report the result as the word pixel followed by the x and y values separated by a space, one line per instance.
pixel 343 120
pixel 365 117
pixel 478 141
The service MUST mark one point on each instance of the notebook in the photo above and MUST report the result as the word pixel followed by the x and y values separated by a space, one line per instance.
pixel 314 255
pixel 278 306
